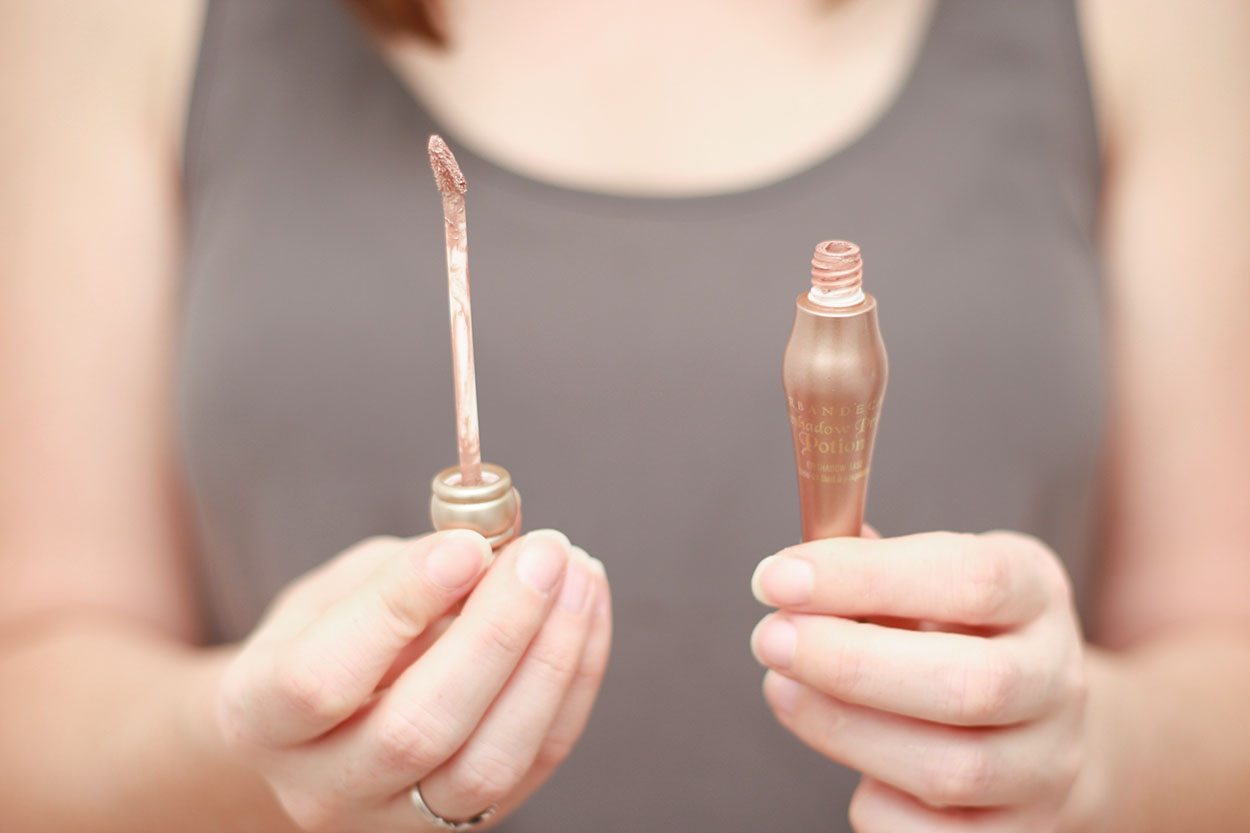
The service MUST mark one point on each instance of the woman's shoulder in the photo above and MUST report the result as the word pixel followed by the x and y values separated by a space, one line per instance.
pixel 134 58
pixel 1148 59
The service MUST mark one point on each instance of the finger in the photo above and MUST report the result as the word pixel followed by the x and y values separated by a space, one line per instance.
pixel 941 677
pixel 994 580
pixel 324 673
pixel 940 765
pixel 580 699
pixel 429 712
pixel 568 724
pixel 876 807
pixel 414 649
pixel 310 594
pixel 503 747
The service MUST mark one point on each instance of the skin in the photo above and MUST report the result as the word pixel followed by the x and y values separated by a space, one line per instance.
pixel 1020 721
pixel 337 703
pixel 973 720
pixel 478 708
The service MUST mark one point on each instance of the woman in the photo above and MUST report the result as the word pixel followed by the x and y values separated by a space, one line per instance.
pixel 646 184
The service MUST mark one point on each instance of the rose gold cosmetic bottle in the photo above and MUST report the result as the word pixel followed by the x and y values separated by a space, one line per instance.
pixel 834 375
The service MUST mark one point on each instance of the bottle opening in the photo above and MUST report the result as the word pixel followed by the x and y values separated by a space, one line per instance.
pixel 837 274
pixel 488 477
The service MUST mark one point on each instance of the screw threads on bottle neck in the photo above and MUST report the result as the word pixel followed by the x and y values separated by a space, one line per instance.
pixel 837 274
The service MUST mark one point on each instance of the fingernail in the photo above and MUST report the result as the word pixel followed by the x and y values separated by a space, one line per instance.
pixel 775 643
pixel 782 692
pixel 457 559
pixel 596 566
pixel 542 560
pixel 783 581
pixel 576 583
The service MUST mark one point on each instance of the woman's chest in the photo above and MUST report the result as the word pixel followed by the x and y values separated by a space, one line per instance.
pixel 628 350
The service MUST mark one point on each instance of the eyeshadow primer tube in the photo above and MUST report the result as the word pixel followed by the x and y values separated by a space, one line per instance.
pixel 834 374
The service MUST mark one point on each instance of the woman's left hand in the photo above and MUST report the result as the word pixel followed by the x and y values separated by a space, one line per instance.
pixel 966 713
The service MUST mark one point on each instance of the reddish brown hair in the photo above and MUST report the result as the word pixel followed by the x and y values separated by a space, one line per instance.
pixel 422 18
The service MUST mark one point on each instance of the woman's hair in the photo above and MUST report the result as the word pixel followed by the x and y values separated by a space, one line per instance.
pixel 422 18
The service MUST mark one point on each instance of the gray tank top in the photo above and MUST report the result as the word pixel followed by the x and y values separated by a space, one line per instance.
pixel 316 397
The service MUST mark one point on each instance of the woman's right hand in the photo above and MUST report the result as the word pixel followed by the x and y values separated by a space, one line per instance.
pixel 358 685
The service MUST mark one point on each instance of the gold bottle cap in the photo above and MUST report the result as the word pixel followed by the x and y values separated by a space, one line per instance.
pixel 492 507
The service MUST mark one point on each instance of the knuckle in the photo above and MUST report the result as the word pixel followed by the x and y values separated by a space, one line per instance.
pixel 871 588
pixel 488 778
pixel 497 639
pixel 307 694
pixel 984 693
pixel 413 745
pixel 590 669
pixel 985 577
pixel 827 734
pixel 404 613
pixel 587 675
pixel 1042 561
pixel 844 671
pixel 556 666
pixel 963 775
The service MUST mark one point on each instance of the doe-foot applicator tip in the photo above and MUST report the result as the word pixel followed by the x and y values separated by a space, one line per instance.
pixel 447 174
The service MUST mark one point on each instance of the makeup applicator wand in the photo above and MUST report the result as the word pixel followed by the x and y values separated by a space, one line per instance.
pixel 471 495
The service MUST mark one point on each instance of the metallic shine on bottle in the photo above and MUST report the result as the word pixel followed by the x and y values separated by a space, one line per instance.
pixel 834 375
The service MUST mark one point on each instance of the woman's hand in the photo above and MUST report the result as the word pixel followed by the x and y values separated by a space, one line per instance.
pixel 970 714
pixel 357 685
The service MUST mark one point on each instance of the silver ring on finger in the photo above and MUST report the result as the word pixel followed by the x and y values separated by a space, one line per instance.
pixel 444 824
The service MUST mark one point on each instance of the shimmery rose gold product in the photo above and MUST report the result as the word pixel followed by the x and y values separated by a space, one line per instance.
pixel 834 375
pixel 472 495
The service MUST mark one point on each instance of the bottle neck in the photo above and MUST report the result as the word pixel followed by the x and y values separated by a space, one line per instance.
pixel 837 275
pixel 836 298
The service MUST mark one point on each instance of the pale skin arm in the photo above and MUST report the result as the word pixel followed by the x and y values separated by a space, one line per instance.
pixel 999 717
pixel 356 685
pixel 96 608
pixel 1168 696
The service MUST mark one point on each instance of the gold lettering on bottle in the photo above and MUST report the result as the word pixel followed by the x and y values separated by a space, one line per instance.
pixel 833 439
